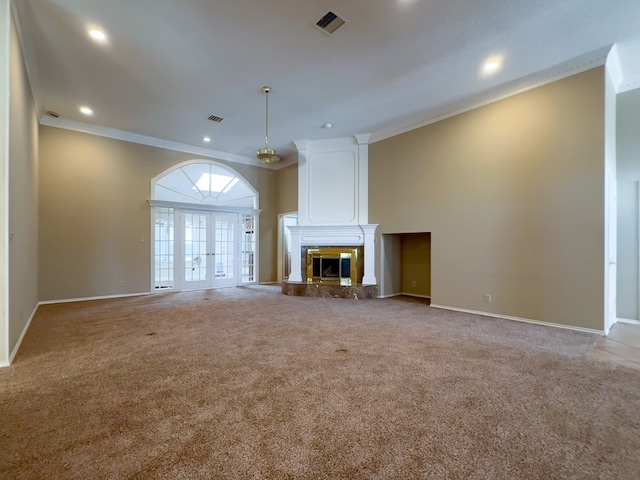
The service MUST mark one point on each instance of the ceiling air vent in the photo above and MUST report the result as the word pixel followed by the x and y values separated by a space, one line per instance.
pixel 330 23
pixel 215 118
pixel 53 114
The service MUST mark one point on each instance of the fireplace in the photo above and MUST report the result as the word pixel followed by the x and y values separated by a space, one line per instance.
pixel 333 240
pixel 333 246
pixel 338 265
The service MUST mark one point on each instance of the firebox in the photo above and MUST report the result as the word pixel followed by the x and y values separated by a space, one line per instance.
pixel 341 265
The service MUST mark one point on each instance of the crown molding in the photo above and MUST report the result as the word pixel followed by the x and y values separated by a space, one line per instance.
pixel 628 85
pixel 26 48
pixel 362 138
pixel 580 64
pixel 149 141
pixel 614 68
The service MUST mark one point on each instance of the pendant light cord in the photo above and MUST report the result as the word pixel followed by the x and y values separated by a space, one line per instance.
pixel 266 136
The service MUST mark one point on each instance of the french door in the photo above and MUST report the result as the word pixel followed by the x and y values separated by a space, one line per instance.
pixel 194 249
pixel 209 250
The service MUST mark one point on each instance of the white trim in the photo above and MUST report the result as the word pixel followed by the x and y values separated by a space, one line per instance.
pixel 628 85
pixel 577 65
pixel 280 246
pixel 518 319
pixel 614 68
pixel 126 136
pixel 203 207
pixel 390 295
pixel 87 299
pixel 628 320
pixel 24 332
pixel 27 53
pixel 415 295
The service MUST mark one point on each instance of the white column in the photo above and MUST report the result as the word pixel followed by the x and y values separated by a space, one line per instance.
pixel 363 177
pixel 303 181
pixel 369 277
pixel 296 254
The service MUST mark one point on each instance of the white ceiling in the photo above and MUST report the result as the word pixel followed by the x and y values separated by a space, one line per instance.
pixel 396 64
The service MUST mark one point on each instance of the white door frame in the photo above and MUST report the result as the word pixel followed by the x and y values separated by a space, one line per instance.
pixel 282 243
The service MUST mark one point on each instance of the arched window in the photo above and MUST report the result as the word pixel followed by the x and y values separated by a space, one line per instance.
pixel 204 183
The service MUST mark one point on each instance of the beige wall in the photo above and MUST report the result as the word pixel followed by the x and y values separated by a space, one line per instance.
pixel 416 264
pixel 23 198
pixel 288 189
pixel 513 196
pixel 628 164
pixel 93 211
pixel 5 32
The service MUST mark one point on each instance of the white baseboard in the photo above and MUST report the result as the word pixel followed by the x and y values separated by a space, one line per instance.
pixel 416 295
pixel 24 332
pixel 628 320
pixel 389 295
pixel 86 299
pixel 518 319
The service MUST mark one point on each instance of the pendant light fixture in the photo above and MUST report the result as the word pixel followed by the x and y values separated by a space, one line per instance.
pixel 267 155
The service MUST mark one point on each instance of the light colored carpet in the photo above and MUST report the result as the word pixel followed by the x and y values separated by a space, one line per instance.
pixel 249 383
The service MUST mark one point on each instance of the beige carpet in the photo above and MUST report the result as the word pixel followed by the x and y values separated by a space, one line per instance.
pixel 248 383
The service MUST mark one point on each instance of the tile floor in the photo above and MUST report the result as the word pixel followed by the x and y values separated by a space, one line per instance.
pixel 622 345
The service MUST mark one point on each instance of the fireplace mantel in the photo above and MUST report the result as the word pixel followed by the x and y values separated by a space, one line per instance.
pixel 334 235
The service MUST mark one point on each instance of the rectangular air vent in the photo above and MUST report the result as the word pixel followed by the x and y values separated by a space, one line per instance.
pixel 215 118
pixel 330 22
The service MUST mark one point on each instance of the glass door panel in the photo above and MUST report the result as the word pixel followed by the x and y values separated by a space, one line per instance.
pixel 224 251
pixel 209 246
pixel 196 250
pixel 163 248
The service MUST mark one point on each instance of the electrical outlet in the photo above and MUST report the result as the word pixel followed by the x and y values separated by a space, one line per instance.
pixel 414 283
pixel 122 283
pixel 487 298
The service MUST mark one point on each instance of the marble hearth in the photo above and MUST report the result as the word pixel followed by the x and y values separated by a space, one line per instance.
pixel 329 290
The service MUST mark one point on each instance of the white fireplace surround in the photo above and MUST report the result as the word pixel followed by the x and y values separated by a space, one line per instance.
pixel 333 200
pixel 334 236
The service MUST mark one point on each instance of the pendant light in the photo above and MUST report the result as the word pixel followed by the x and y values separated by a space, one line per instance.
pixel 267 155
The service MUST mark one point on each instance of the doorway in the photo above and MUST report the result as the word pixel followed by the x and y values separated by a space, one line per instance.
pixel 284 244
pixel 209 250
pixel 406 265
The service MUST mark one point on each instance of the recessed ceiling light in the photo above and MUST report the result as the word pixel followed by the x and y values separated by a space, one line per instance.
pixel 206 139
pixel 97 34
pixel 492 65
pixel 86 111
pixel 327 125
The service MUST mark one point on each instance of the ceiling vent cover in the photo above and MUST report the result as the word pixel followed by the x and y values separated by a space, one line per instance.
pixel 330 23
pixel 215 118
